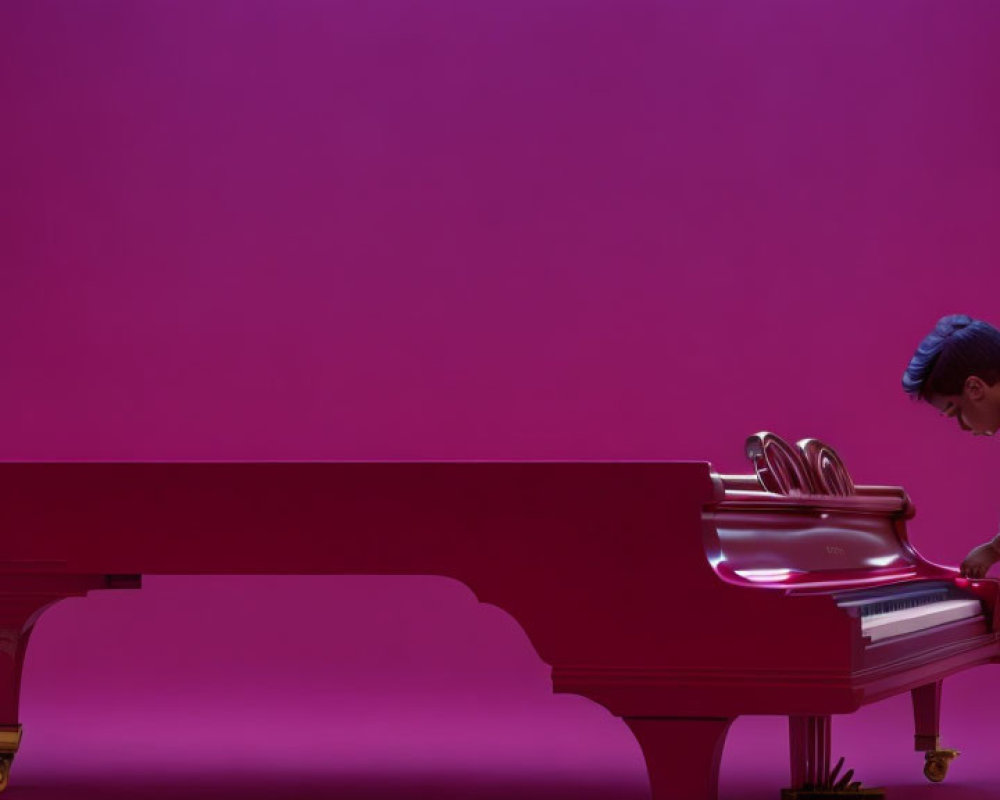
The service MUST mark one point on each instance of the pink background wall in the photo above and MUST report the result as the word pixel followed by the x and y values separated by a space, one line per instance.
pixel 523 229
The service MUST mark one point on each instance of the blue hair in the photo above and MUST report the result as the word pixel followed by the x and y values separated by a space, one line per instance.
pixel 959 346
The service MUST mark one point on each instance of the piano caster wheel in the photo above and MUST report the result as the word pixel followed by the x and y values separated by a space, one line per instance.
pixel 936 764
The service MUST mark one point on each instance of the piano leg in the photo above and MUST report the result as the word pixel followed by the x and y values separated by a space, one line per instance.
pixel 927 727
pixel 13 643
pixel 23 598
pixel 809 739
pixel 682 755
pixel 927 716
pixel 14 633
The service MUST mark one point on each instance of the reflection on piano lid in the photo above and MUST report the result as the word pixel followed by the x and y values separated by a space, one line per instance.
pixel 802 522
pixel 767 575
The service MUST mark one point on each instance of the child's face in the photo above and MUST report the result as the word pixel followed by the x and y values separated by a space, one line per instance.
pixel 976 409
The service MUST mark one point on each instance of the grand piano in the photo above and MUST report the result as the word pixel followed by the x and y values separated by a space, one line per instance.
pixel 676 597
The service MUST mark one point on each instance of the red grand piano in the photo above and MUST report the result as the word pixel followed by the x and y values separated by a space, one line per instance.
pixel 593 559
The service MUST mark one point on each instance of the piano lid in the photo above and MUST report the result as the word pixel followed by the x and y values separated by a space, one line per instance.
pixel 801 521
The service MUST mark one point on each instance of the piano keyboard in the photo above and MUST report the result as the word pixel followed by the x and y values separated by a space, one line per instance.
pixel 893 613
pixel 907 620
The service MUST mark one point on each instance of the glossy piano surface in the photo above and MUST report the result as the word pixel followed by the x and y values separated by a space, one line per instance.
pixel 676 597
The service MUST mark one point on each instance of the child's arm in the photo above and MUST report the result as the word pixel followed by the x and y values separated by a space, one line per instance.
pixel 979 561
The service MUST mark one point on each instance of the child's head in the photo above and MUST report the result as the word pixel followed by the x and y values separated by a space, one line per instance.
pixel 957 370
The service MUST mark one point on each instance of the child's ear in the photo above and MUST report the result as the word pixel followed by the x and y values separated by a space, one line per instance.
pixel 975 387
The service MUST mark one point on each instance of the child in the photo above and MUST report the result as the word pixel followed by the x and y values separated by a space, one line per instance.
pixel 957 370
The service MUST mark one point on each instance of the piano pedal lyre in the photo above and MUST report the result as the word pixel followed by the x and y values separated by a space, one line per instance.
pixel 831 794
pixel 831 788
pixel 936 763
pixel 812 778
pixel 10 739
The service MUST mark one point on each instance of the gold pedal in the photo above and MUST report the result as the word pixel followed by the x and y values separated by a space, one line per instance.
pixel 831 794
pixel 833 786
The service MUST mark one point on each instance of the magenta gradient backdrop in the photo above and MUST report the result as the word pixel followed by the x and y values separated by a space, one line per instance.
pixel 500 229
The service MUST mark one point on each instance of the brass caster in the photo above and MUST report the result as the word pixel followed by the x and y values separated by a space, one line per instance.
pixel 5 762
pixel 936 764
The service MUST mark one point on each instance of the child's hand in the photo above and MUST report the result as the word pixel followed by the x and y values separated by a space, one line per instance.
pixel 979 561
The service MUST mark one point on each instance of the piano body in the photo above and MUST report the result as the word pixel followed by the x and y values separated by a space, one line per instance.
pixel 810 599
